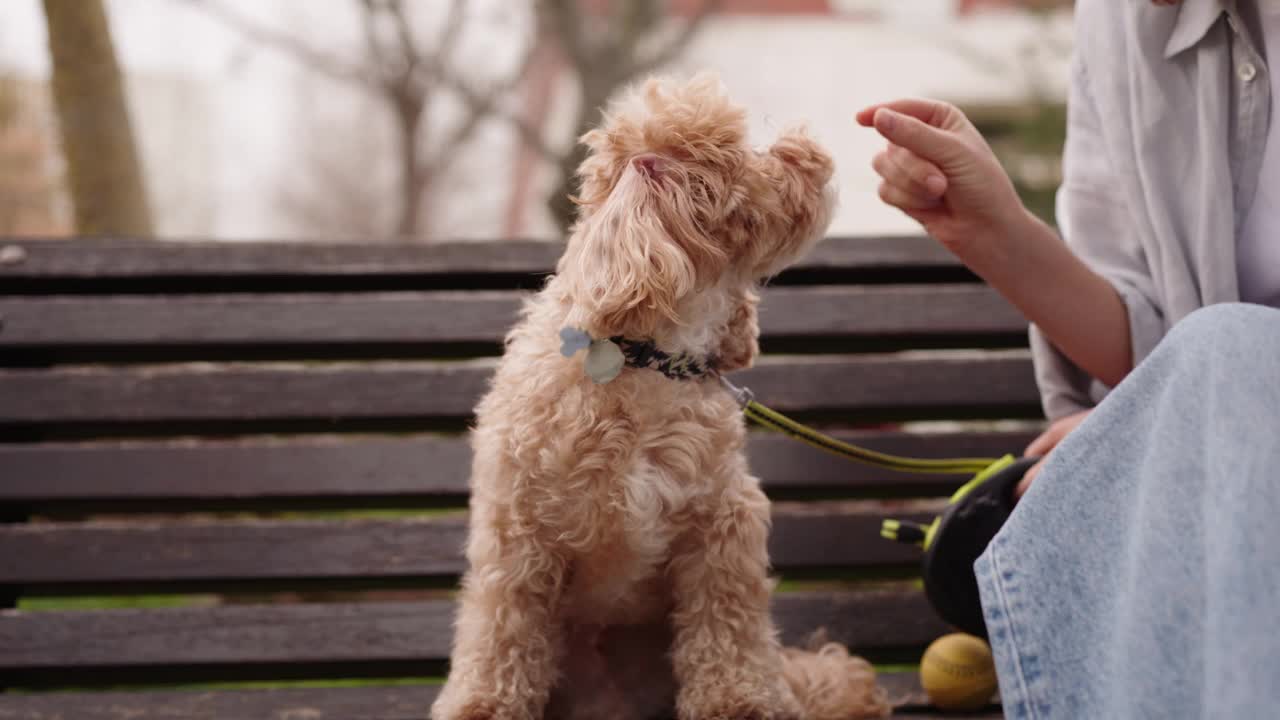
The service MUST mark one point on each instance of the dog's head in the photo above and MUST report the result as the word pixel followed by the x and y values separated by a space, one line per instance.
pixel 673 202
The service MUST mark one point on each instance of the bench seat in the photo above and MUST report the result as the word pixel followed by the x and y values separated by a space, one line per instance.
pixel 233 476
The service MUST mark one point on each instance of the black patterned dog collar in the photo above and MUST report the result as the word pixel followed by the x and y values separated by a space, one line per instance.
pixel 644 354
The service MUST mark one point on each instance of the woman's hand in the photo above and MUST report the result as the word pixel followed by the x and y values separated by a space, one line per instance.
pixel 939 170
pixel 1045 444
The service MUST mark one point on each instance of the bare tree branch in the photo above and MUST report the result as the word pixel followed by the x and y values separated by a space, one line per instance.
pixel 447 42
pixel 413 60
pixel 481 105
pixel 314 59
pixel 628 26
pixel 603 59
pixel 565 16
pixel 491 103
pixel 530 135
pixel 373 44
pixel 405 77
pixel 678 44
pixel 400 18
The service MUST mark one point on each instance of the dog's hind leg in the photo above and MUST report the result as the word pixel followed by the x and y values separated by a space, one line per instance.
pixel 726 654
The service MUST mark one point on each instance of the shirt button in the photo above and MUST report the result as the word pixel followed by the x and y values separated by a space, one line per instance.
pixel 1248 71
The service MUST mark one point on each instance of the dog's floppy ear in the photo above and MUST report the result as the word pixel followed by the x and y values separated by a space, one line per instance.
pixel 798 171
pixel 739 344
pixel 623 274
pixel 800 160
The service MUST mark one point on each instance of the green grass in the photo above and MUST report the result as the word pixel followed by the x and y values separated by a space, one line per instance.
pixel 114 602
pixel 853 580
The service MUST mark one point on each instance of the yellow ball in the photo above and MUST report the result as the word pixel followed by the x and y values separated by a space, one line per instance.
pixel 958 673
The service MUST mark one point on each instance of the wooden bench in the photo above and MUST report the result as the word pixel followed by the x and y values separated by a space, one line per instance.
pixel 227 463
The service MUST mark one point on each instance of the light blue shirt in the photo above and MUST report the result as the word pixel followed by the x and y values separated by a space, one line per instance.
pixel 1168 114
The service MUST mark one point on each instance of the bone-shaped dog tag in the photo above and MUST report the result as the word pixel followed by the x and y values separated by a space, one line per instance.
pixel 572 340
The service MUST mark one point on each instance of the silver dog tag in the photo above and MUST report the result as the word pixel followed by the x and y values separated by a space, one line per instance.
pixel 604 361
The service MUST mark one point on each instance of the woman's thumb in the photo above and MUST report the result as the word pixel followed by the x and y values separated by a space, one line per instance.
pixel 933 144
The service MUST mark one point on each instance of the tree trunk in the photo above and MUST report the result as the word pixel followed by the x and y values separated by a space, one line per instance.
pixel 595 93
pixel 413 179
pixel 104 173
pixel 562 208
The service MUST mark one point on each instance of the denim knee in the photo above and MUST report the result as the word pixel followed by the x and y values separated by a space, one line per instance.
pixel 1224 323
pixel 1245 336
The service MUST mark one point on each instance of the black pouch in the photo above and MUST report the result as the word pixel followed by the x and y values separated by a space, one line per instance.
pixel 955 539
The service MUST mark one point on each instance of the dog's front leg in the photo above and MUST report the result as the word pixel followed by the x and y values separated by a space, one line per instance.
pixel 725 654
pixel 508 643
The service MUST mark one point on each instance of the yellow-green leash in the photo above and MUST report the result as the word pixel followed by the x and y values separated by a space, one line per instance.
pixel 781 423
pixel 956 536
pixel 981 469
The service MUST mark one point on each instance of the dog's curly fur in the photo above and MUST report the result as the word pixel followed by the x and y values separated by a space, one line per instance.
pixel 618 563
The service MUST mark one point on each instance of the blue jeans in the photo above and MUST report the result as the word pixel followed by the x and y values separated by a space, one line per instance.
pixel 1139 577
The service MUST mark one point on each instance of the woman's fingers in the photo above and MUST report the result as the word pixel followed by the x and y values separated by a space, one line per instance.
pixel 910 183
pixel 1025 482
pixel 933 112
pixel 1050 438
pixel 1045 443
pixel 905 199
pixel 940 144
pixel 921 174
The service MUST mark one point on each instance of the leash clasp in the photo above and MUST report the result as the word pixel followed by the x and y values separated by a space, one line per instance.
pixel 742 395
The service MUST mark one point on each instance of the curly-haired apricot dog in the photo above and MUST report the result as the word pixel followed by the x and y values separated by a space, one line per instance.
pixel 618 563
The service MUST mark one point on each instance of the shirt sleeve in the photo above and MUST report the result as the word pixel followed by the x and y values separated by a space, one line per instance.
pixel 1096 223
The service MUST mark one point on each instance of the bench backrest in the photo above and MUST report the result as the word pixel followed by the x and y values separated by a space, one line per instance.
pixel 259 450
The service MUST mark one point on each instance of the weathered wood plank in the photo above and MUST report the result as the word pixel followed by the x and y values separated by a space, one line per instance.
pixel 365 703
pixel 334 466
pixel 362 703
pixel 257 640
pixel 785 465
pixel 413 467
pixel 129 258
pixel 888 310
pixel 968 381
pixel 805 536
pixel 243 392
pixel 228 635
pixel 100 258
pixel 400 702
pixel 463 317
pixel 287 319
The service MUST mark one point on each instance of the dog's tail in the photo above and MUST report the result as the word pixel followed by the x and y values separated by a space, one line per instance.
pixel 831 684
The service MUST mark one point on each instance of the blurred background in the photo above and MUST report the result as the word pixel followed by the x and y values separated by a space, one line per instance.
pixel 430 120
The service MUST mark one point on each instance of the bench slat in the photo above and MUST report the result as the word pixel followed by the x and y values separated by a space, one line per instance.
pixel 969 381
pixel 227 635
pixel 365 703
pixel 100 258
pixel 413 468
pixel 462 317
pixel 401 638
pixel 403 702
pixel 805 536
